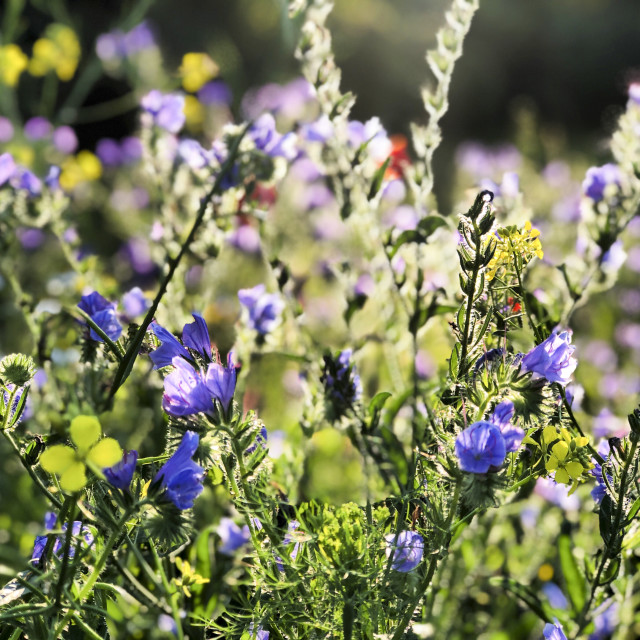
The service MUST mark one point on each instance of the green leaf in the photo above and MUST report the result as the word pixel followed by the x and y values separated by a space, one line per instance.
pixel 378 402
pixel 378 178
pixel 429 224
pixel 453 362
pixel 605 517
pixel 573 577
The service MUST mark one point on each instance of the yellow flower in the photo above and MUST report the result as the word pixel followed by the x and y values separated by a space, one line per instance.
pixel 91 451
pixel 193 112
pixel 58 51
pixel 188 577
pixel 12 63
pixel 82 168
pixel 512 242
pixel 196 70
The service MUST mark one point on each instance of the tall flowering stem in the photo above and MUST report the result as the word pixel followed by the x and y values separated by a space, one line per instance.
pixel 475 253
pixel 126 364
pixel 441 61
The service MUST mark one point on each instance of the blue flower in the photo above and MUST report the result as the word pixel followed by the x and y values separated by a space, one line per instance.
pixel 605 620
pixel 341 381
pixel 103 313
pixel 600 490
pixel 221 381
pixel 552 358
pixel 232 536
pixel 170 348
pixel 480 446
pixel 196 336
pixel 121 474
pixel 180 476
pixel 554 631
pixel 185 391
pixel 166 110
pixel 554 594
pixel 598 178
pixel 407 550
pixel 77 528
pixel 264 308
pixel 261 439
pixel 502 416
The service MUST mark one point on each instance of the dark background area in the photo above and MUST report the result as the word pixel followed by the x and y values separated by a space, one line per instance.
pixel 566 63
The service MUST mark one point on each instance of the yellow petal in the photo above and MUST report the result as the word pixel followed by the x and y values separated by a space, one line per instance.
pixel 560 450
pixel 574 469
pixel 57 459
pixel 74 478
pixel 530 440
pixel 562 477
pixel 105 454
pixel 582 441
pixel 552 463
pixel 85 431
pixel 549 434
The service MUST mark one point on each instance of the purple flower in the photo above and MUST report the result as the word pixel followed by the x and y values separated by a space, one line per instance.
pixel 215 92
pixel 30 183
pixel 30 238
pixel 552 358
pixel 167 623
pixel 634 92
pixel 266 138
pixel 180 476
pixel 108 150
pixel 407 550
pixel 121 474
pixel 264 308
pixel 138 39
pixel 103 313
pixel 6 129
pixel 135 303
pixel 502 416
pixel 232 536
pixel 261 439
pixel 65 139
pixel 258 634
pixel 52 179
pixel 131 148
pixel 554 631
pixel 221 382
pixel 193 153
pixel 166 109
pixel 598 178
pixel 246 239
pixel 600 490
pixel 7 167
pixel 185 391
pixel 288 539
pixel 341 381
pixel 480 446
pixel 37 128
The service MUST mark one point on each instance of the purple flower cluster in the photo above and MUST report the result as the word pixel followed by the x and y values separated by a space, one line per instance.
pixel 407 550
pixel 114 153
pixel 77 529
pixel 598 179
pixel 117 44
pixel 187 389
pixel 486 443
pixel 341 381
pixel 103 313
pixel 180 476
pixel 166 109
pixel 552 359
pixel 264 308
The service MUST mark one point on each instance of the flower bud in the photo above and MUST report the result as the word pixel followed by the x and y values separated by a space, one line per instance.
pixel 17 369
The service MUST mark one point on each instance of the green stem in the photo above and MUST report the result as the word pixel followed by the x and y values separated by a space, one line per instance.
pixel 97 570
pixel 130 356
pixel 34 476
pixel 172 594
pixel 525 306
pixel 613 540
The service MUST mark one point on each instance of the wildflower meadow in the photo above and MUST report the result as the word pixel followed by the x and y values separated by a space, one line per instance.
pixel 257 381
